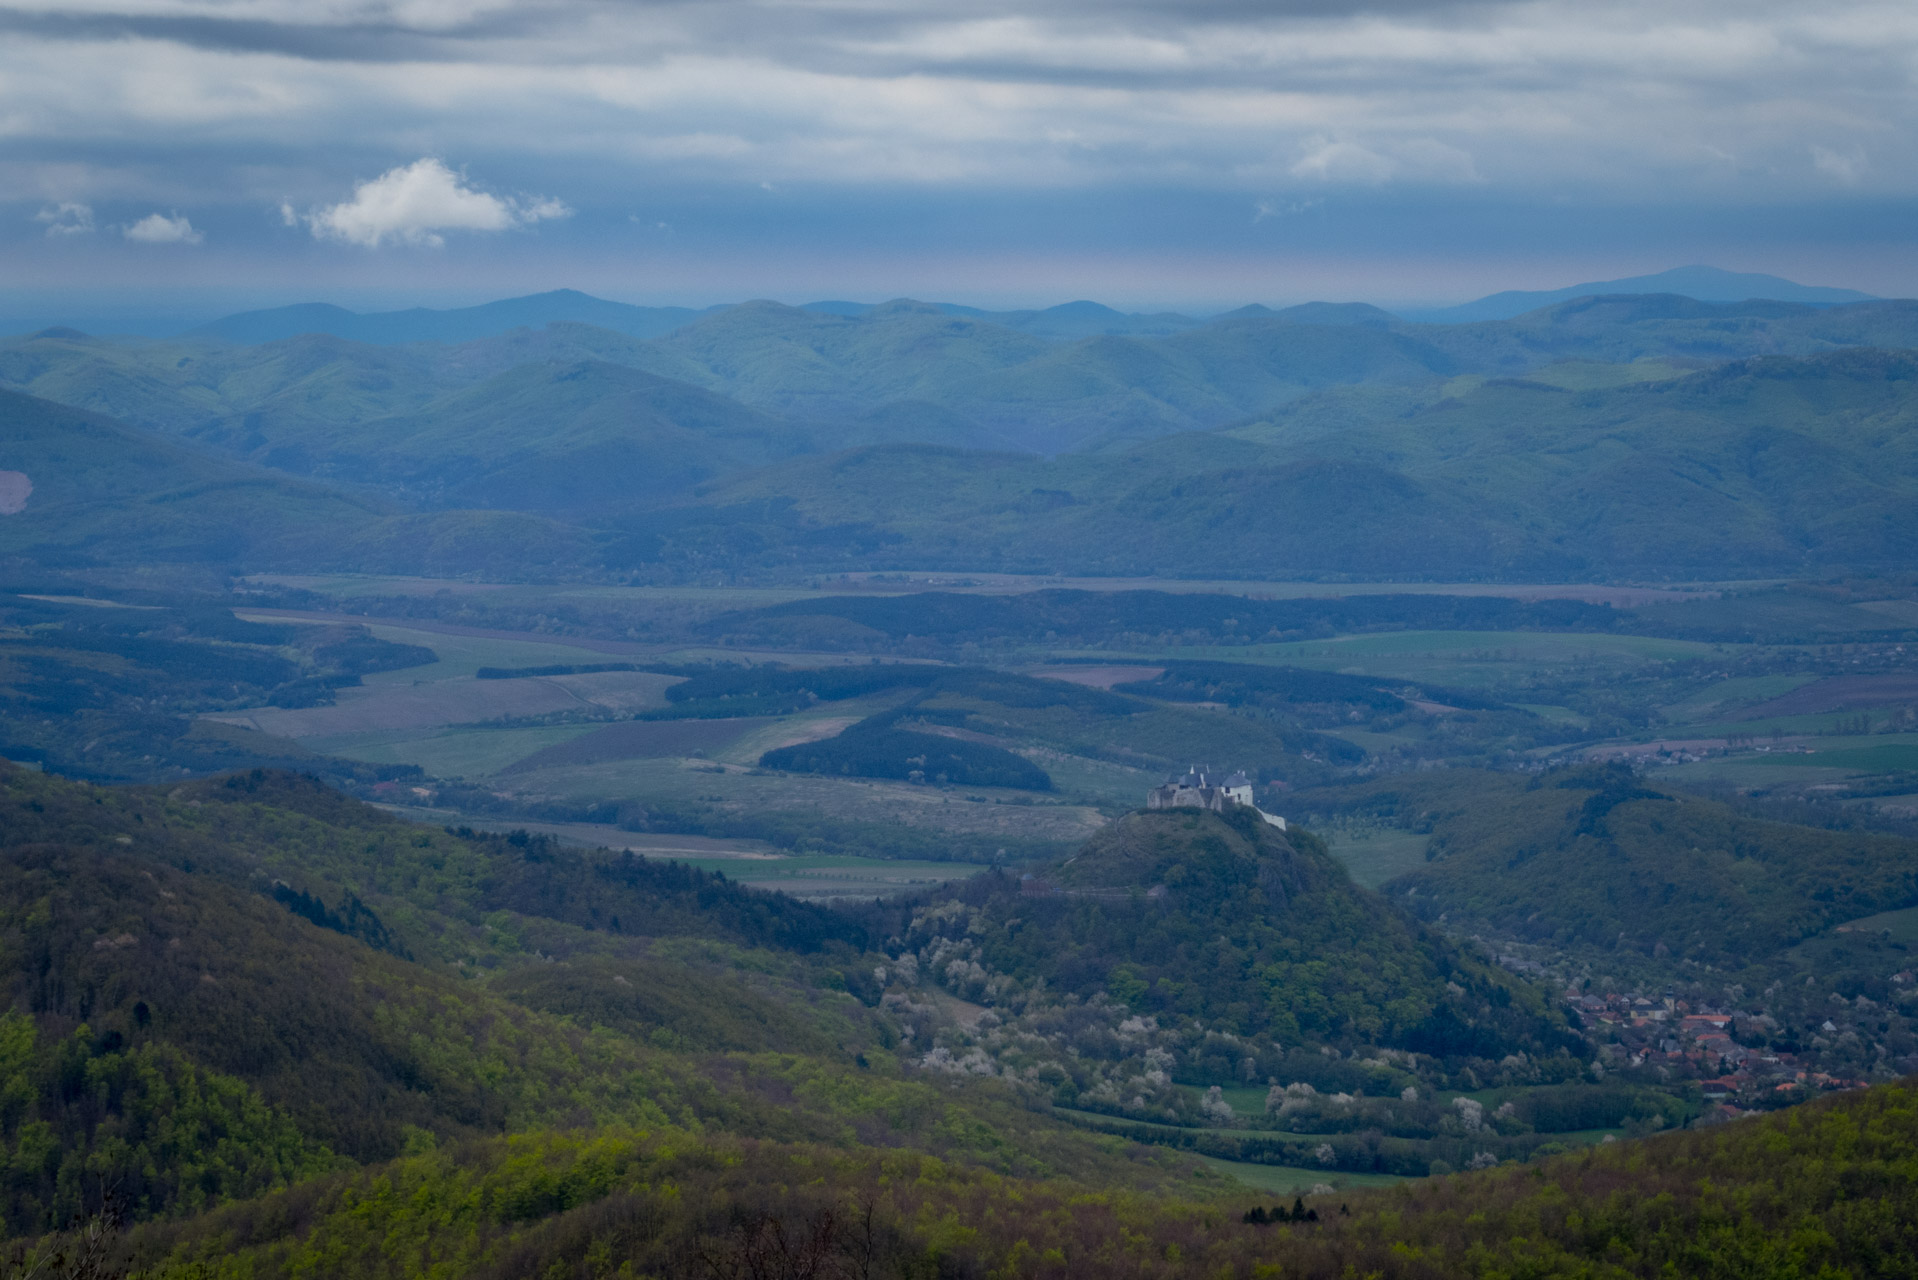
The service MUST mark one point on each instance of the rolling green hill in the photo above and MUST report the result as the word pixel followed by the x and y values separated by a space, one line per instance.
pixel 571 438
pixel 819 367
pixel 233 985
pixel 107 492
pixel 1772 465
pixel 1596 858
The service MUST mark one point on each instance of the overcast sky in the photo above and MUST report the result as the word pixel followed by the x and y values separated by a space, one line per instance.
pixel 1150 152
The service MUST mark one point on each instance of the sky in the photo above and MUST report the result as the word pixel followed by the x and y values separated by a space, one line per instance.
pixel 202 155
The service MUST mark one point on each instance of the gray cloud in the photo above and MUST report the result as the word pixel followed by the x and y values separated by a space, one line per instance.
pixel 354 40
pixel 245 105
pixel 68 218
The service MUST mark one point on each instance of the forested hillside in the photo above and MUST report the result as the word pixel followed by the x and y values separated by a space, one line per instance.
pixel 1604 858
pixel 1825 1189
pixel 231 986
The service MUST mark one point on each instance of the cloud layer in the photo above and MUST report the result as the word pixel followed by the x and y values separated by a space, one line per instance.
pixel 621 107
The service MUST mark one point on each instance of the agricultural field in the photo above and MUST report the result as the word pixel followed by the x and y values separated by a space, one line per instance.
pixel 1374 852
pixel 554 744
pixel 1470 659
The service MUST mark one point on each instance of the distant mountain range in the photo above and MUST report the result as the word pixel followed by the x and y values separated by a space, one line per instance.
pixel 1064 323
pixel 1644 435
pixel 419 324
pixel 1705 284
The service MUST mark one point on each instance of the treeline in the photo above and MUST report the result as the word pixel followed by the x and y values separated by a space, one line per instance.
pixel 723 692
pixel 810 830
pixel 622 893
pixel 1239 684
pixel 555 669
pixel 774 689
pixel 1111 617
pixel 882 750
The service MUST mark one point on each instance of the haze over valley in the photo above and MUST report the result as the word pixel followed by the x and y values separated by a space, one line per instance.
pixel 797 643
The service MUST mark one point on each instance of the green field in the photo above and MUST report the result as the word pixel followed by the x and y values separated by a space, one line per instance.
pixel 1901 925
pixel 1828 760
pixel 464 655
pixel 1100 1120
pixel 1464 658
pixel 734 789
pixel 1740 691
pixel 1888 757
pixel 1374 854
pixel 450 753
pixel 1289 1180
pixel 1096 781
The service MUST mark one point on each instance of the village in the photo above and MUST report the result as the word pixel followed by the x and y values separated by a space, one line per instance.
pixel 1698 1042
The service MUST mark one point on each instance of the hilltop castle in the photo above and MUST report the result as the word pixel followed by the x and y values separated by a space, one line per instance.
pixel 1199 789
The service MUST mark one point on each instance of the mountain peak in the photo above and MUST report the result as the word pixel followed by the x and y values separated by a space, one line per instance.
pixel 1699 282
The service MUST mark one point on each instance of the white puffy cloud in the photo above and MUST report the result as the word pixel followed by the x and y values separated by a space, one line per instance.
pixel 158 228
pixel 68 218
pixel 414 203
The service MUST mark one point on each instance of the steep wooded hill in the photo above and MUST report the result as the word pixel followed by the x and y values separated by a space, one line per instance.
pixel 1185 914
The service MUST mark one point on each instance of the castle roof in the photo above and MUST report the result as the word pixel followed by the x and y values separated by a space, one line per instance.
pixel 1202 776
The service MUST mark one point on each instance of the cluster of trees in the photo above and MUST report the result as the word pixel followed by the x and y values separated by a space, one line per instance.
pixel 878 749
pixel 1108 617
pixel 1260 1216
